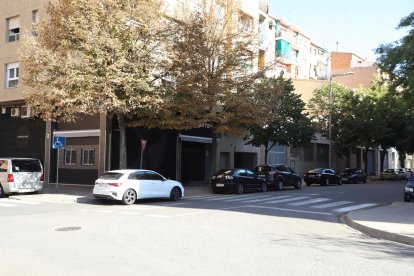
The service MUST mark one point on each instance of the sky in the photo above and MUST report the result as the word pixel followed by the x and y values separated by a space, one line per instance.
pixel 359 26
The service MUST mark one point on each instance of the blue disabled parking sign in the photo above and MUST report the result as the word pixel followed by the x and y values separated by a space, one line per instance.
pixel 59 142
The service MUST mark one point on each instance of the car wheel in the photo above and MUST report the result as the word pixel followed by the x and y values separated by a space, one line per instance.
pixel 263 187
pixel 175 194
pixel 364 180
pixel 240 189
pixel 340 181
pixel 2 193
pixel 308 183
pixel 279 185
pixel 298 184
pixel 129 197
pixel 325 182
pixel 406 199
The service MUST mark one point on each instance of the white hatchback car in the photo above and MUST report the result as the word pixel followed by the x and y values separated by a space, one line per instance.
pixel 130 185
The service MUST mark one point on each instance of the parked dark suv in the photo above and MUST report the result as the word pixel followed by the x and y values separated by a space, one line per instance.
pixel 278 176
pixel 354 175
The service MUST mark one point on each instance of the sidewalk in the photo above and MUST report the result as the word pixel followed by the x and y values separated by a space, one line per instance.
pixel 393 222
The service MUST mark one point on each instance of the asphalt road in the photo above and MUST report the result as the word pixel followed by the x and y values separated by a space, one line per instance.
pixel 292 232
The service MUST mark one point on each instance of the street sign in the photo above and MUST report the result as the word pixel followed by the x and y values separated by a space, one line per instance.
pixel 59 142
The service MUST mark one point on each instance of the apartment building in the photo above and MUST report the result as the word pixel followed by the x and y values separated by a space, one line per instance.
pixel 21 135
pixel 92 143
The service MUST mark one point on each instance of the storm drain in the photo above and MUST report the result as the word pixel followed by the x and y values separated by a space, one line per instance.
pixel 69 228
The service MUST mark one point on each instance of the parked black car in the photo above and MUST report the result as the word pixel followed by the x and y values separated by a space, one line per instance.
pixel 322 176
pixel 278 176
pixel 409 189
pixel 354 175
pixel 237 180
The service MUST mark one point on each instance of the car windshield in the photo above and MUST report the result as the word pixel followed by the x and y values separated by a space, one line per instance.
pixel 316 171
pixel 263 169
pixel 111 176
pixel 26 166
pixel 225 172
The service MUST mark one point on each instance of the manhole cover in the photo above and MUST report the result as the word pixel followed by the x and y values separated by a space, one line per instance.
pixel 69 228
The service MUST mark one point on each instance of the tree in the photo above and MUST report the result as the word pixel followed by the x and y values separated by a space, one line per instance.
pixel 210 77
pixel 284 120
pixel 397 60
pixel 95 56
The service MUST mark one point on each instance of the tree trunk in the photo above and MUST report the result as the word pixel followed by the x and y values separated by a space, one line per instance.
pixel 366 159
pixel 266 153
pixel 382 157
pixel 122 141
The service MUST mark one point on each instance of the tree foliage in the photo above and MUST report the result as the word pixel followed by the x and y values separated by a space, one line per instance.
pixel 92 56
pixel 397 60
pixel 284 120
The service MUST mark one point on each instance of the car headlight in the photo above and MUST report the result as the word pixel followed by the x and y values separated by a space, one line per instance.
pixel 409 189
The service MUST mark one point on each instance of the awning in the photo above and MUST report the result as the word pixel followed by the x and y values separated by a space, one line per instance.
pixel 77 133
pixel 196 139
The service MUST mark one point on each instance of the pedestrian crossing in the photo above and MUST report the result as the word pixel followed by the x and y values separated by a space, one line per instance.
pixel 7 203
pixel 308 201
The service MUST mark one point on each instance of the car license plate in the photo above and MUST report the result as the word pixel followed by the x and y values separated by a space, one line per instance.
pixel 219 185
pixel 311 175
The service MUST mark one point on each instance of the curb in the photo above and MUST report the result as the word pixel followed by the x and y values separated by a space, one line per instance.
pixel 379 234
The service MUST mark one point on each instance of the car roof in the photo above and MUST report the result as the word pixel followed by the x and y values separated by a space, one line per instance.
pixel 128 171
pixel 18 158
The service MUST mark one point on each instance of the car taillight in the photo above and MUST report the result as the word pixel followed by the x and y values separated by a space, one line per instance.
pixel 10 178
pixel 115 184
pixel 42 177
pixel 305 174
pixel 318 175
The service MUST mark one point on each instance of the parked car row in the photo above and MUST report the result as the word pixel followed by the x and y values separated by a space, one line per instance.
pixel 276 177
pixel 395 174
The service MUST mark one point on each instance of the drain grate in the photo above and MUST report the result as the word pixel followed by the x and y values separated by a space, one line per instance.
pixel 69 228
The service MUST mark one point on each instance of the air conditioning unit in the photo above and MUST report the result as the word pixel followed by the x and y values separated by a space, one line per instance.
pixel 3 110
pixel 15 112
pixel 25 112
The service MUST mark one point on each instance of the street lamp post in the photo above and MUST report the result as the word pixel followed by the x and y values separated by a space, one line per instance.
pixel 330 113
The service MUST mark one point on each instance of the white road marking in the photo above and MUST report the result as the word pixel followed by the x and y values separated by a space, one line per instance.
pixel 230 197
pixel 287 199
pixel 267 198
pixel 310 201
pixel 285 209
pixel 355 207
pixel 26 202
pixel 333 204
pixel 254 196
pixel 7 205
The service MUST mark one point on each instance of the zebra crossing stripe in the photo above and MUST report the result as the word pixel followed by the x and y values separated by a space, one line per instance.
pixel 310 201
pixel 288 199
pixel 7 205
pixel 26 202
pixel 253 196
pixel 232 197
pixel 261 199
pixel 333 204
pixel 355 207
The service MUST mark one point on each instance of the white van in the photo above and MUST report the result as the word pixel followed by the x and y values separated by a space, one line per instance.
pixel 20 175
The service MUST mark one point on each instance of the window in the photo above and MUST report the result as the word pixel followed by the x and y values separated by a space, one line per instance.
pixel 153 176
pixel 35 19
pixel 137 176
pixel 12 77
pixel 70 156
pixel 13 27
pixel 88 157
